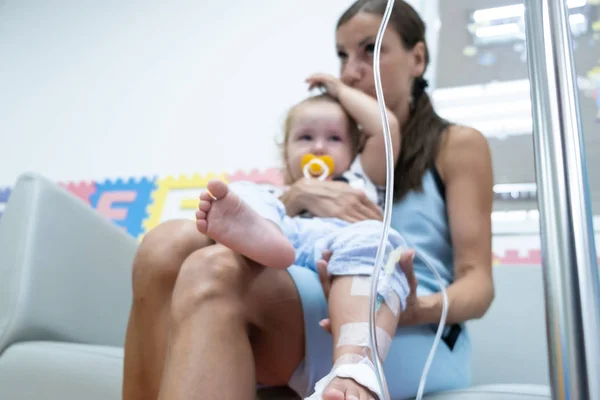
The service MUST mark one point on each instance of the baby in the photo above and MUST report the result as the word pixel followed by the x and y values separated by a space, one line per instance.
pixel 251 221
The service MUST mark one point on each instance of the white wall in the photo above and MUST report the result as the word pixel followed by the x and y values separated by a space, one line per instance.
pixel 94 90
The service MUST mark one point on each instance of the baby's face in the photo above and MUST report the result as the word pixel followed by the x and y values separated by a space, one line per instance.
pixel 320 128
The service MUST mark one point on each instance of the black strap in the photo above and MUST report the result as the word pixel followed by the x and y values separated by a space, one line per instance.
pixel 439 182
pixel 340 179
pixel 450 335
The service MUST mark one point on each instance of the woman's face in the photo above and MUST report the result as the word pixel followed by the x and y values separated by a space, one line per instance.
pixel 356 46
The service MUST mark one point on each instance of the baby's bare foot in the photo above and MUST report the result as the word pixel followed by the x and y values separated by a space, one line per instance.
pixel 229 221
pixel 346 389
pixel 342 383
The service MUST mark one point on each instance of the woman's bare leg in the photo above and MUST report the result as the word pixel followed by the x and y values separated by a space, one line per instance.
pixel 155 270
pixel 210 354
pixel 272 319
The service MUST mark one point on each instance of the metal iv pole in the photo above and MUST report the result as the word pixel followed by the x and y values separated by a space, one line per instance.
pixel 572 284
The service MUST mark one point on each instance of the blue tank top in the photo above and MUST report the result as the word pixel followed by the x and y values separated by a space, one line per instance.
pixel 421 218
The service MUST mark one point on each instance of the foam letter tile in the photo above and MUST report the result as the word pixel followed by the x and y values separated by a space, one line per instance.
pixel 176 197
pixel 124 202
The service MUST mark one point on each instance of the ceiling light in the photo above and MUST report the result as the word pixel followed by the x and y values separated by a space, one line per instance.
pixel 512 11
pixel 498 30
pixel 499 13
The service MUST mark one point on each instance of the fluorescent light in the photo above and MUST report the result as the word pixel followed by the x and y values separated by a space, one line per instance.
pixel 497 109
pixel 487 110
pixel 578 23
pixel 492 89
pixel 498 30
pixel 576 3
pixel 504 127
pixel 491 14
pixel 577 19
pixel 515 216
pixel 512 11
pixel 514 187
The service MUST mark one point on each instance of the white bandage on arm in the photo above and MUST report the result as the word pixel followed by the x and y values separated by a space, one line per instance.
pixel 357 334
pixel 393 302
pixel 361 286
pixel 348 358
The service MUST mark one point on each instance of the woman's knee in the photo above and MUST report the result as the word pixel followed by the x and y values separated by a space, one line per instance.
pixel 162 252
pixel 211 274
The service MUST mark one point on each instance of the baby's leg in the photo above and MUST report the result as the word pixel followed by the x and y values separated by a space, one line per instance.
pixel 224 217
pixel 354 250
pixel 349 315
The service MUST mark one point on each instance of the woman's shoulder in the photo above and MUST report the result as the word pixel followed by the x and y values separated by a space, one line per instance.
pixel 461 149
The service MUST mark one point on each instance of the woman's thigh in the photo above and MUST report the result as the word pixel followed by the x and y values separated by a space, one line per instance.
pixel 405 361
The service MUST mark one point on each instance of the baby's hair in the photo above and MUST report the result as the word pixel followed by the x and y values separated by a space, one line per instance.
pixel 356 136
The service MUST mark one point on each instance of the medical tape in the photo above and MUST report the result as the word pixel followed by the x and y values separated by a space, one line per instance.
pixel 391 298
pixel 393 302
pixel 361 286
pixel 357 334
pixel 348 358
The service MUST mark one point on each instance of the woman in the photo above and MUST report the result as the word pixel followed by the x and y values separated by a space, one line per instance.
pixel 206 323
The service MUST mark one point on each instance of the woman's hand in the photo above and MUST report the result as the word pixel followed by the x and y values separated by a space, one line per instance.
pixel 330 199
pixel 329 82
pixel 407 317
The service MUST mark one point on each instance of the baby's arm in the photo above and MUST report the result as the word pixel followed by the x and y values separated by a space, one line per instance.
pixel 364 109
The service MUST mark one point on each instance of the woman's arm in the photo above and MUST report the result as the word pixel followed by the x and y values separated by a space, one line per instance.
pixel 466 168
pixel 364 109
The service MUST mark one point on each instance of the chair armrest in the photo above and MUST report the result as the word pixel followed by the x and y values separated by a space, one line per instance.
pixel 65 271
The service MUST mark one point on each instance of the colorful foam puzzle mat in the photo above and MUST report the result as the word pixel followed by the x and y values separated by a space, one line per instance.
pixel 138 204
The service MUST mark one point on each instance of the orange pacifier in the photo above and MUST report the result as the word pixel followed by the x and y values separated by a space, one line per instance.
pixel 318 167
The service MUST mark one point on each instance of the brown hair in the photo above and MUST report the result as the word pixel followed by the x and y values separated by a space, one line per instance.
pixel 422 131
pixel 356 137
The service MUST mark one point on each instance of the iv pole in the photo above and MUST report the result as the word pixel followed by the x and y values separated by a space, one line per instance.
pixel 570 270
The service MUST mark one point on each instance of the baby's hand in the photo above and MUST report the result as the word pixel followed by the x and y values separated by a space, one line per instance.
pixel 322 269
pixel 329 82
